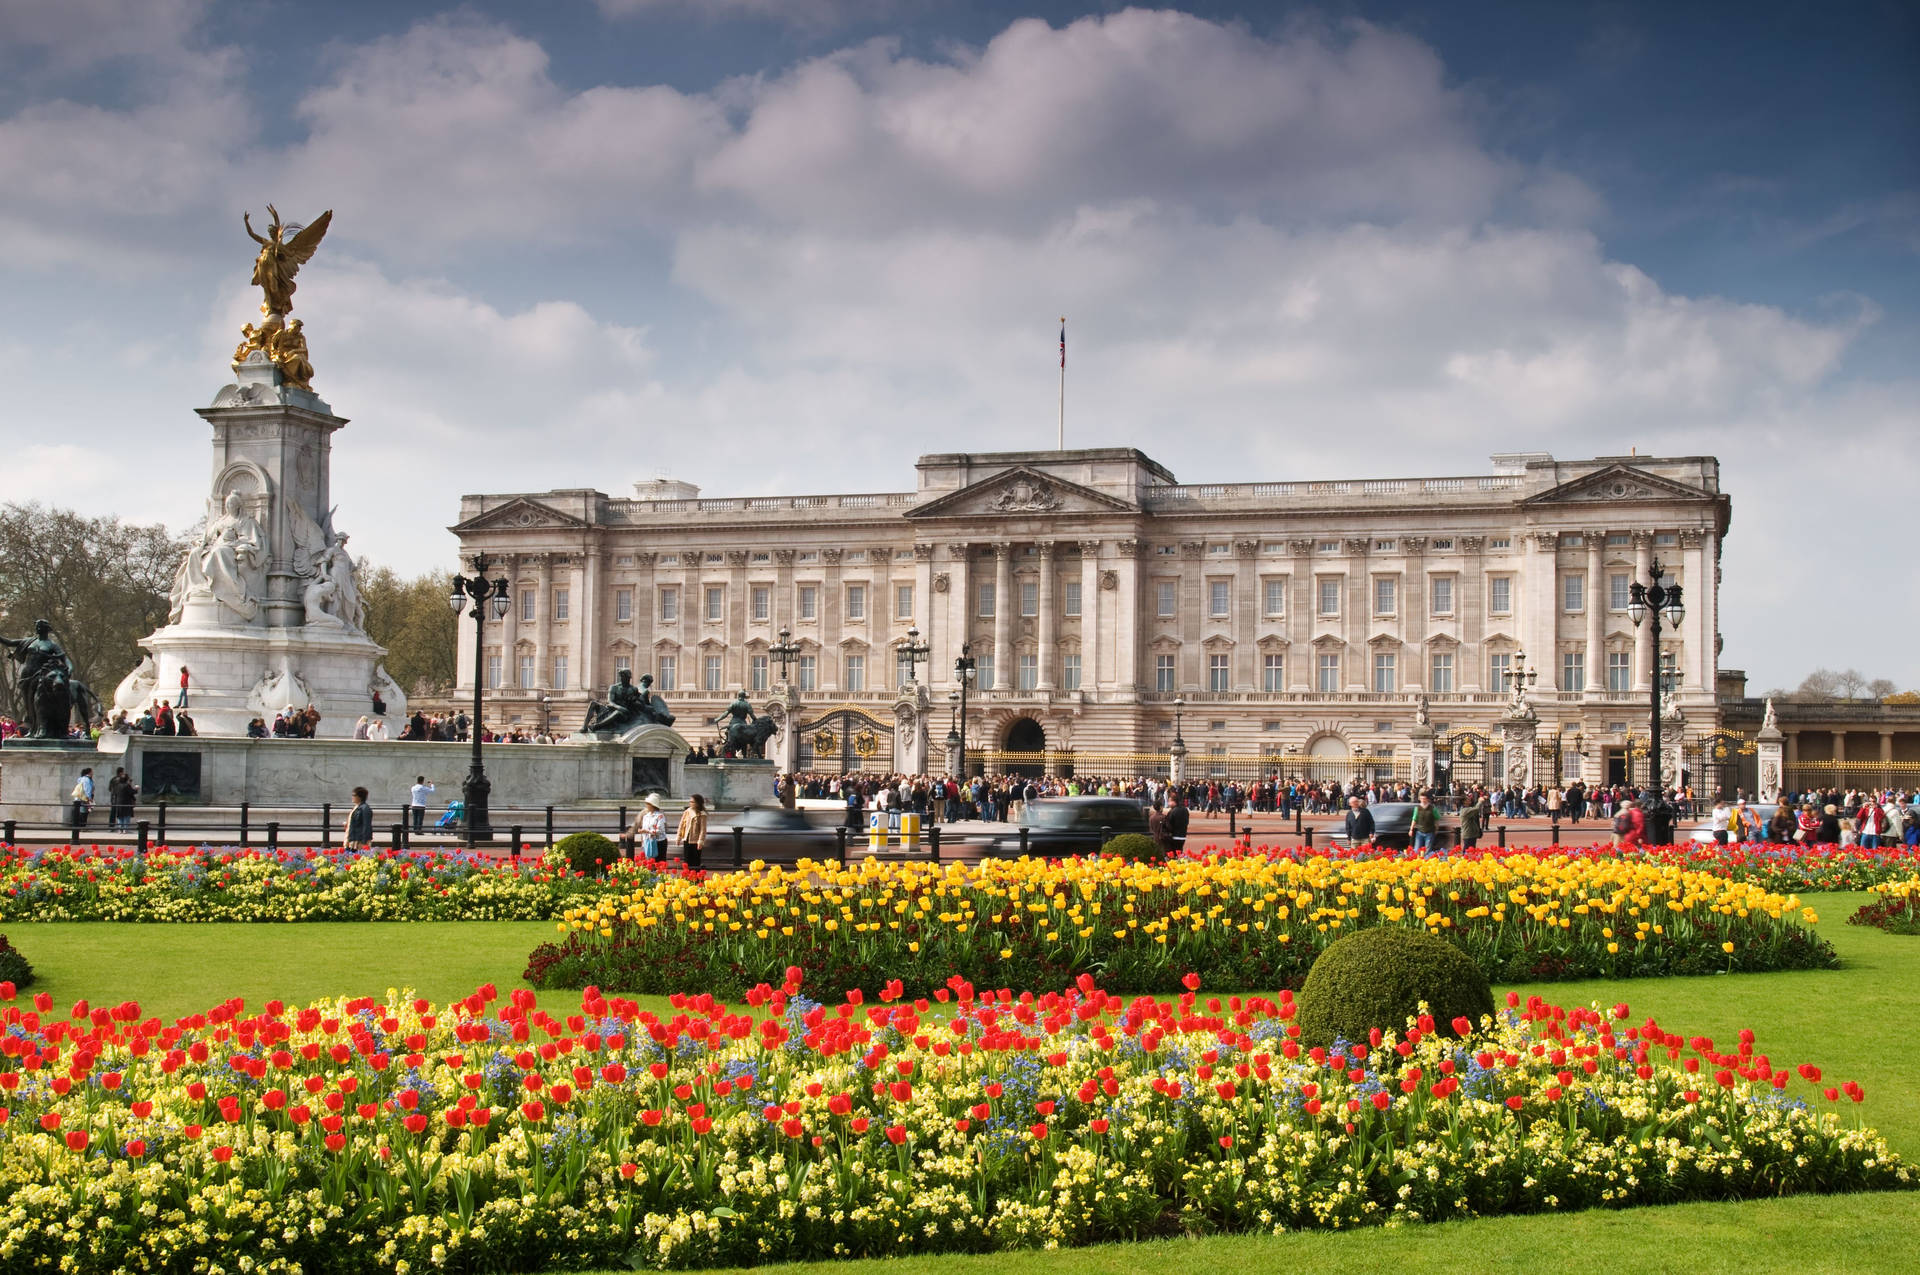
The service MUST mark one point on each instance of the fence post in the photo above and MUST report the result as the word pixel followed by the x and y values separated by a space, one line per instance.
pixel 142 827
pixel 1231 831
pixel 1300 819
pixel 1106 835
pixel 933 841
pixel 1309 836
pixel 1503 836
pixel 549 827
pixel 160 826
pixel 243 825
pixel 1556 830
pixel 739 840
pixel 513 835
pixel 1024 837
pixel 7 830
pixel 623 818
pixel 399 836
pixel 273 835
pixel 841 834
pixel 326 825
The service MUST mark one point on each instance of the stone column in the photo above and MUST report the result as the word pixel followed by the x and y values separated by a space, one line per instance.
pixel 1049 639
pixel 1414 616
pixel 832 610
pixel 1518 757
pixel 1353 621
pixel 510 625
pixel 1246 606
pixel 1002 616
pixel 1596 613
pixel 543 622
pixel 784 747
pixel 959 606
pixel 1092 671
pixel 1472 603
pixel 1301 654
pixel 1177 763
pixel 1644 655
pixel 1421 747
pixel 923 603
pixel 588 638
pixel 1126 620
pixel 1767 744
pixel 1541 580
pixel 1695 667
pixel 646 612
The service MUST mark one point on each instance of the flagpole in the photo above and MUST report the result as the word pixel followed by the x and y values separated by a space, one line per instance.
pixel 1063 383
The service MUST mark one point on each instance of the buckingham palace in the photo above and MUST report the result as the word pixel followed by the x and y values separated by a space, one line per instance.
pixel 1111 610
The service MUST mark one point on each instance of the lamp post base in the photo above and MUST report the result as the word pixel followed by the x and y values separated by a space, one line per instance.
pixel 474 793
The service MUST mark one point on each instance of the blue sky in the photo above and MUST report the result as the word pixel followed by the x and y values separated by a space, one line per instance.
pixel 784 245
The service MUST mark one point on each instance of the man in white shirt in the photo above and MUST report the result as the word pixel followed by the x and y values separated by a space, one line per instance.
pixel 1722 814
pixel 422 793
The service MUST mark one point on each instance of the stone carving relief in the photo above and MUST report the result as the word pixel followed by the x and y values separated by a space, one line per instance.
pixel 226 564
pixel 940 583
pixel 1109 580
pixel 330 597
pixel 136 689
pixel 1026 496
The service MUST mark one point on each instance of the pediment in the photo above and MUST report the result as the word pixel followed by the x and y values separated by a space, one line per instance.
pixel 1021 491
pixel 1617 484
pixel 521 514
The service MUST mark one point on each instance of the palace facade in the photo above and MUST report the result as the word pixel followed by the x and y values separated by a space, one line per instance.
pixel 1289 625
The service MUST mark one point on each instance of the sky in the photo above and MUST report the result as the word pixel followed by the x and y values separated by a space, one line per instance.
pixel 786 246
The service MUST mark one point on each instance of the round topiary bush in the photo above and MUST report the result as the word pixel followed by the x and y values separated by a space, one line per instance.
pixel 587 853
pixel 1131 845
pixel 13 966
pixel 1378 977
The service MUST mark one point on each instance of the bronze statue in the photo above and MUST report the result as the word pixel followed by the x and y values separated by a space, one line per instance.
pixel 739 736
pixel 46 684
pixel 280 258
pixel 627 706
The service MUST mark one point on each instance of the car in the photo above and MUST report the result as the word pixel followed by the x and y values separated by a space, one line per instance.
pixel 1393 827
pixel 1061 826
pixel 770 832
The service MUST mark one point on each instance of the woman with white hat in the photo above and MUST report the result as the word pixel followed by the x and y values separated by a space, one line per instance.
pixel 650 827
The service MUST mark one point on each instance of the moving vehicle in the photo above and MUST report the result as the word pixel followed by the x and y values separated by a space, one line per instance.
pixel 1060 826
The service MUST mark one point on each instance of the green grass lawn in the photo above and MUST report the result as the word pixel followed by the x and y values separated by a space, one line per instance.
pixel 1857 1023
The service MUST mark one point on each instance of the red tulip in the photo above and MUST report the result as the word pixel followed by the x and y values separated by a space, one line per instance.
pixel 77 1139
pixel 1039 1132
pixel 1098 1125
pixel 896 1134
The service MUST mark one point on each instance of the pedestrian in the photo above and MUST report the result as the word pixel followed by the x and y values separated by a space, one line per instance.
pixel 693 830
pixel 653 830
pixel 185 678
pixel 1176 822
pixel 360 822
pixel 1630 825
pixel 120 796
pixel 1426 825
pixel 1473 818
pixel 1720 821
pixel 1359 823
pixel 82 797
pixel 422 793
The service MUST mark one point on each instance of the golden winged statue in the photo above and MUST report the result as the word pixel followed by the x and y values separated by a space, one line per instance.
pixel 280 258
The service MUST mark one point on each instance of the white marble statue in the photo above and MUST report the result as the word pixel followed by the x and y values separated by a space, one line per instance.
pixel 346 599
pixel 277 691
pixel 318 600
pixel 226 561
pixel 330 597
pixel 136 689
pixel 1770 721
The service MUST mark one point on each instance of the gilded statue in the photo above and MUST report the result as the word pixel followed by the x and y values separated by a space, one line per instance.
pixel 280 258
pixel 249 342
pixel 288 350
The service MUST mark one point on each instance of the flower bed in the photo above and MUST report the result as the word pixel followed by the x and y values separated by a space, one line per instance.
pixel 207 883
pixel 357 1135
pixel 1897 911
pixel 1781 867
pixel 1248 921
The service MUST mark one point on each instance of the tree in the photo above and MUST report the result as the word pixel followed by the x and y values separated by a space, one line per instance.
pixel 101 583
pixel 1852 683
pixel 1821 684
pixel 1882 688
pixel 412 620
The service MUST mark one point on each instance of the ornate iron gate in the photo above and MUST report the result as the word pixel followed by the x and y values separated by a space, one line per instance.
pixel 846 739
pixel 1714 763
pixel 1466 757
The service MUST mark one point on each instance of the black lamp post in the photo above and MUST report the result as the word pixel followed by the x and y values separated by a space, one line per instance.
pixel 964 671
pixel 1179 705
pixel 484 594
pixel 915 650
pixel 786 650
pixel 546 716
pixel 1662 603
pixel 1519 677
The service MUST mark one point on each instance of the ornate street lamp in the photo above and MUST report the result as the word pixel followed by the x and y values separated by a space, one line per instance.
pixel 914 650
pixel 965 669
pixel 953 720
pixel 1179 704
pixel 485 595
pixel 1662 603
pixel 1520 677
pixel 786 650
pixel 546 716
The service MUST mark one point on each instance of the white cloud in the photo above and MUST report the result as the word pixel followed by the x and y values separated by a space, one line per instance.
pixel 75 34
pixel 801 13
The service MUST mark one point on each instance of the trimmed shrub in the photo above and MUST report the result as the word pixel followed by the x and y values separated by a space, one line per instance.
pixel 587 853
pixel 13 966
pixel 1131 845
pixel 1378 977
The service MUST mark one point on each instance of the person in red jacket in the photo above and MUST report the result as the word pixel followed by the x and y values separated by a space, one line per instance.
pixel 1630 825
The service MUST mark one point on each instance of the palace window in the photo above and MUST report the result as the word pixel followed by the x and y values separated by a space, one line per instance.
pixel 1573 671
pixel 666 673
pixel 1330 595
pixel 1274 601
pixel 1440 679
pixel 716 603
pixel 1385 546
pixel 903 602
pixel 1385 589
pixel 559 672
pixel 1027 671
pixel 762 598
pixel 669 604
pixel 1164 595
pixel 623 664
pixel 985 596
pixel 856 673
pixel 1498 665
pixel 808 671
pixel 1070 672
pixel 1442 544
pixel 1385 671
pixel 1573 593
pixel 1273 672
pixel 1217 671
pixel 711 681
pixel 527 678
pixel 1619 591
pixel 1500 542
pixel 1029 597
pixel 1327 673
pixel 526 604
pixel 1163 673
pixel 1500 595
pixel 623 605
pixel 1440 589
pixel 1070 599
pixel 983 670
pixel 1618 538
pixel 856 602
pixel 1619 671
pixel 493 671
pixel 809 602
pixel 1218 593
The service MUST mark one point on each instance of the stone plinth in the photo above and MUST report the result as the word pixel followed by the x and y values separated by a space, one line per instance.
pixel 732 784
